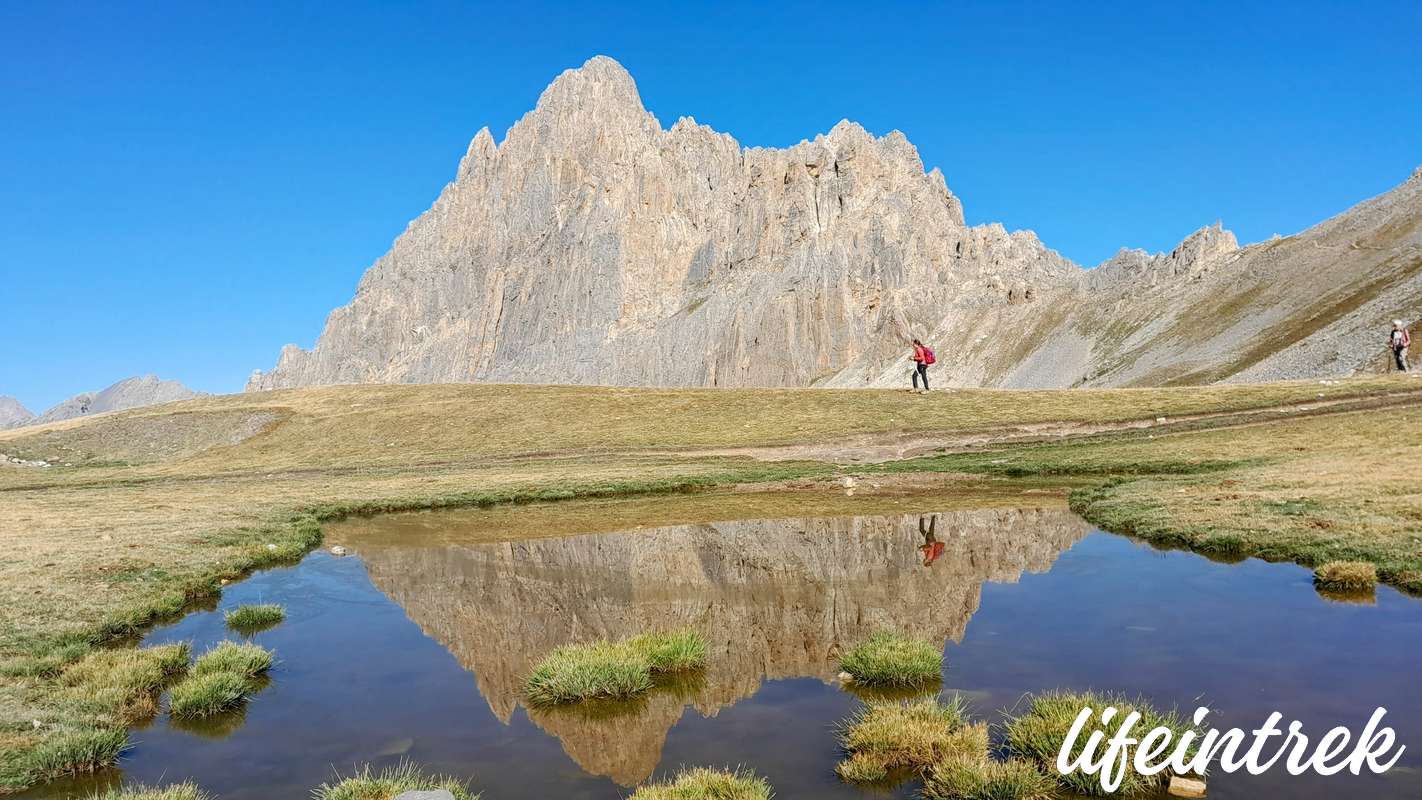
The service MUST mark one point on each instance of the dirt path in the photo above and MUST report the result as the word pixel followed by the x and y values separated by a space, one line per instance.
pixel 875 448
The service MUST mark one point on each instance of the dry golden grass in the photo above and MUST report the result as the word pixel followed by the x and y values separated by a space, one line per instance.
pixel 1346 576
pixel 163 502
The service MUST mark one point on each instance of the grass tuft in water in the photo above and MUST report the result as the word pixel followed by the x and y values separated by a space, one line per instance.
pixel 985 779
pixel 138 791
pixel 389 782
pixel 602 670
pixel 1037 736
pixel 674 651
pixel 253 618
pixel 913 735
pixel 208 694
pixel 74 753
pixel 701 783
pixel 221 680
pixel 244 660
pixel 892 659
pixel 1346 576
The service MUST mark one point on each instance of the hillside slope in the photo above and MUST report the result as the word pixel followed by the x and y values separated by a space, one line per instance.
pixel 592 246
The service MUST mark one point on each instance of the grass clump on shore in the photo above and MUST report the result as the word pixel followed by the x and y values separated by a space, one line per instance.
pixel 701 783
pixel 1346 576
pixel 73 753
pixel 138 791
pixel 915 735
pixel 221 680
pixel 892 659
pixel 1038 735
pixel 389 782
pixel 253 618
pixel 610 670
pixel 985 779
pixel 120 686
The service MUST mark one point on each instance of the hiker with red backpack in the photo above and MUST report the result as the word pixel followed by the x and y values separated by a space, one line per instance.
pixel 1399 340
pixel 922 357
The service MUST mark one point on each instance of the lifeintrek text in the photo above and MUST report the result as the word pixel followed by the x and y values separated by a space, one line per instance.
pixel 1191 754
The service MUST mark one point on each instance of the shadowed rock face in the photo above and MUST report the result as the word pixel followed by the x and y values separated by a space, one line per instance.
pixel 776 599
pixel 593 246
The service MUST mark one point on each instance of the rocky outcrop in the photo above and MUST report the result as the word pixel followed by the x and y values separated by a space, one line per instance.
pixel 13 413
pixel 594 246
pixel 776 598
pixel 130 393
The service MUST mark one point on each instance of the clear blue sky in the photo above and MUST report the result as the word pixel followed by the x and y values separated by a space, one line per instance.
pixel 185 187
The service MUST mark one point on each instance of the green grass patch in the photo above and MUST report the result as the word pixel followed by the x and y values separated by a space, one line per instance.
pixel 120 686
pixel 253 618
pixel 613 670
pixel 244 660
pixel 389 782
pixel 138 791
pixel 985 779
pixel 885 738
pixel 207 695
pixel 1038 735
pixel 892 659
pixel 1346 576
pixel 221 681
pixel 700 783
pixel 72 753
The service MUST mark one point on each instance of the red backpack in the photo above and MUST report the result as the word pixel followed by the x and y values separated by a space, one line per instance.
pixel 928 356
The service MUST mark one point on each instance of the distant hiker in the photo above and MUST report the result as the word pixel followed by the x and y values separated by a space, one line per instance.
pixel 1399 340
pixel 931 547
pixel 922 358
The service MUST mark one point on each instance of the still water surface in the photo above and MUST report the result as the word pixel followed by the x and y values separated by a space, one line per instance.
pixel 415 647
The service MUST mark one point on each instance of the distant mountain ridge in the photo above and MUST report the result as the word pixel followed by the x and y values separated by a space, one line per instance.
pixel 13 413
pixel 593 246
pixel 145 390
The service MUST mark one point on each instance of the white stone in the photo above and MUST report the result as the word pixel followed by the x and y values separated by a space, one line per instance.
pixel 1186 787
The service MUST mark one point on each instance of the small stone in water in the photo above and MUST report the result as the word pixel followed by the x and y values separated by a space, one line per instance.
pixel 337 550
pixel 1186 787
pixel 432 794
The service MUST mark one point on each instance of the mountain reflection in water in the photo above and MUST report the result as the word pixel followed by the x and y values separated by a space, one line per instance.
pixel 776 598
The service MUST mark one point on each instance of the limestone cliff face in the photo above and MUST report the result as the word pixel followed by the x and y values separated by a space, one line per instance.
pixel 777 599
pixel 594 246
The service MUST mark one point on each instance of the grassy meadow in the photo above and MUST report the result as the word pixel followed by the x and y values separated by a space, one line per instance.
pixel 146 511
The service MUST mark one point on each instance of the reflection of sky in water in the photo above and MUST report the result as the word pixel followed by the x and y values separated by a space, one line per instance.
pixel 358 680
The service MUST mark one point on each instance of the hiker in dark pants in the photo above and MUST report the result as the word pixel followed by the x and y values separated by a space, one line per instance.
pixel 1399 340
pixel 922 358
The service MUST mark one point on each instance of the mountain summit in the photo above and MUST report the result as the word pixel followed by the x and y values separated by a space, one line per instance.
pixel 592 245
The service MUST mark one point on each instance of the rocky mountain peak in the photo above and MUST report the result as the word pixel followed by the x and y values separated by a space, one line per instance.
pixel 132 392
pixel 590 245
pixel 13 413
pixel 600 85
